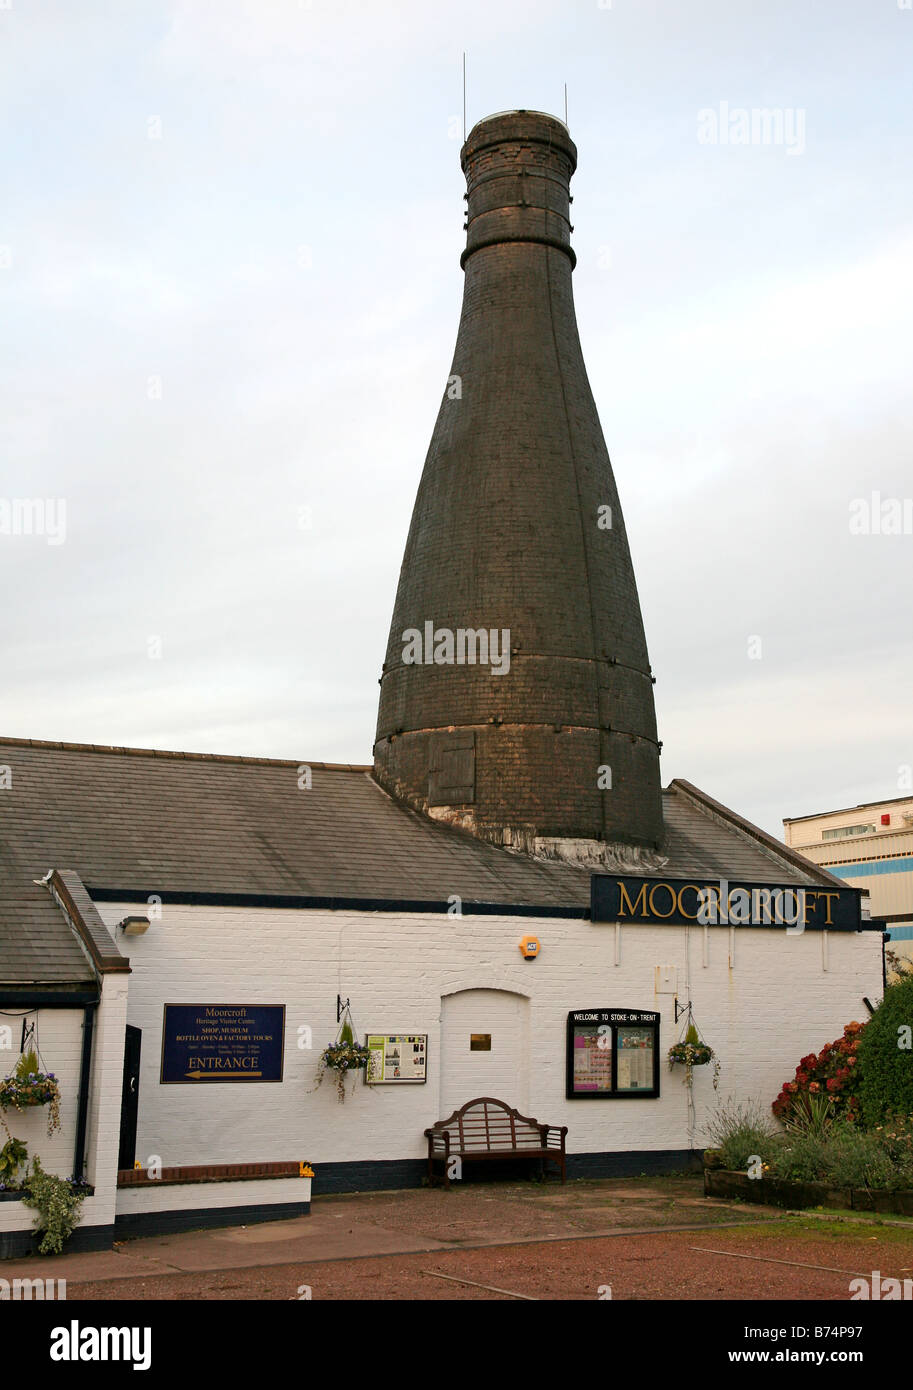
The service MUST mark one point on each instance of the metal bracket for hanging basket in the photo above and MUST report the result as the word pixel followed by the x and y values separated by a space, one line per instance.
pixel 341 1006
pixel 681 1009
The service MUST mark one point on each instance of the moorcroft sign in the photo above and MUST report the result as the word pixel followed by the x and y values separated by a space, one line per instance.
pixel 721 903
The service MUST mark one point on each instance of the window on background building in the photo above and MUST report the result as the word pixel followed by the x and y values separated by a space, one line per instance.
pixel 843 831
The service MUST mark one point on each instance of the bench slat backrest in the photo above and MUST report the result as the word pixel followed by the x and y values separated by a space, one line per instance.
pixel 486 1124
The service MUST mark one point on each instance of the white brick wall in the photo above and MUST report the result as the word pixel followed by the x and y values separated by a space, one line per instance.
pixel 106 1082
pixel 777 1002
pixel 60 1040
pixel 14 1216
pixel 60 1044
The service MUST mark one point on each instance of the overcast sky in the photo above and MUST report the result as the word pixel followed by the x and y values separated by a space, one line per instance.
pixel 229 266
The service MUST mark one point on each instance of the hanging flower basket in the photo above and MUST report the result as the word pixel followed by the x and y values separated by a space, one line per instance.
pixel 690 1054
pixel 691 1051
pixel 343 1056
pixel 29 1086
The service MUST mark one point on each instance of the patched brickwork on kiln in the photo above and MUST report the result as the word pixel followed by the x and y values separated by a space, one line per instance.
pixel 506 535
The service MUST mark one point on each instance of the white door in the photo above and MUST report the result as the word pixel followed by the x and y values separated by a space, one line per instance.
pixel 484 1048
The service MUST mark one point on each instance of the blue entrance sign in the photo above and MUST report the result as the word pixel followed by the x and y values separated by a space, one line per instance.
pixel 222 1042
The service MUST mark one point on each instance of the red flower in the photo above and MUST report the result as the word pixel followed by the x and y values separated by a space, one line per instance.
pixel 833 1084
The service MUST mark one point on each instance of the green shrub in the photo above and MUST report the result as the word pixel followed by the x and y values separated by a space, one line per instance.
pixel 739 1131
pixel 57 1203
pixel 846 1156
pixel 896 1138
pixel 802 1158
pixel 13 1156
pixel 857 1159
pixel 808 1113
pixel 885 1085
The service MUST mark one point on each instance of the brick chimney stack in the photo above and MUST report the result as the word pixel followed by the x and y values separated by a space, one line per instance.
pixel 548 737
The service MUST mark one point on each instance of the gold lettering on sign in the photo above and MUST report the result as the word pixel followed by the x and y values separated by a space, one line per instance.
pixel 639 904
pixel 828 896
pixel 762 909
pixel 692 916
pixel 653 908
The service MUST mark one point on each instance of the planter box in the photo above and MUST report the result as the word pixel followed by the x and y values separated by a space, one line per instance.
pixel 194 1197
pixel 780 1192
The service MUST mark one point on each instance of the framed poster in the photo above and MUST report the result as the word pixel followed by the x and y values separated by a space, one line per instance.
pixel 396 1059
pixel 636 1053
pixel 612 1054
pixel 205 1043
pixel 592 1054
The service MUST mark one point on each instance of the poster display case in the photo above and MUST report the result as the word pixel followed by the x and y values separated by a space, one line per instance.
pixel 612 1054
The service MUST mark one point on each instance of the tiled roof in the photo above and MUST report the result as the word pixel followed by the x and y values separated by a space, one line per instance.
pixel 152 822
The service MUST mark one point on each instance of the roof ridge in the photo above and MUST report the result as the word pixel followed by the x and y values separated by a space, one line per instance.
pixel 774 848
pixel 178 755
pixel 845 810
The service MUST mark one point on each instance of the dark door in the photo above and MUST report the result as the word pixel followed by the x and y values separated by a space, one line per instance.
pixel 129 1102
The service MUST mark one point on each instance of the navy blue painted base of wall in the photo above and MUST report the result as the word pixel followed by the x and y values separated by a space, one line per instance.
pixel 157 1223
pixel 15 1245
pixel 633 1162
pixel 380 1175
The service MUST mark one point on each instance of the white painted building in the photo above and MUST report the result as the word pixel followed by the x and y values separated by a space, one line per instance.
pixel 261 892
pixel 267 891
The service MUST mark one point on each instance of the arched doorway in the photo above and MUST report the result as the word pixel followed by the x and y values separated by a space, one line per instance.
pixel 484 1048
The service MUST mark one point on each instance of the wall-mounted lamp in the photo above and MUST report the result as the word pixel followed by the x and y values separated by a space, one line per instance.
pixel 134 926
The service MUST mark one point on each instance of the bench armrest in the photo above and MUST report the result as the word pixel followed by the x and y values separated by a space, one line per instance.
pixel 553 1136
pixel 438 1141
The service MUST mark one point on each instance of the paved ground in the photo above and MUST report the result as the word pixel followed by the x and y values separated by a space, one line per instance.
pixel 746 1262
pixel 539 1241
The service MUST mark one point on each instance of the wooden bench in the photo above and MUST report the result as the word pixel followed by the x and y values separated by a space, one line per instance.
pixel 488 1128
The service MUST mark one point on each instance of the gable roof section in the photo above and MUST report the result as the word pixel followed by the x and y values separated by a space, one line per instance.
pixel 37 945
pixel 144 822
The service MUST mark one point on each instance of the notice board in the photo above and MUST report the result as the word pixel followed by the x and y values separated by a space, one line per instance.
pixel 396 1058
